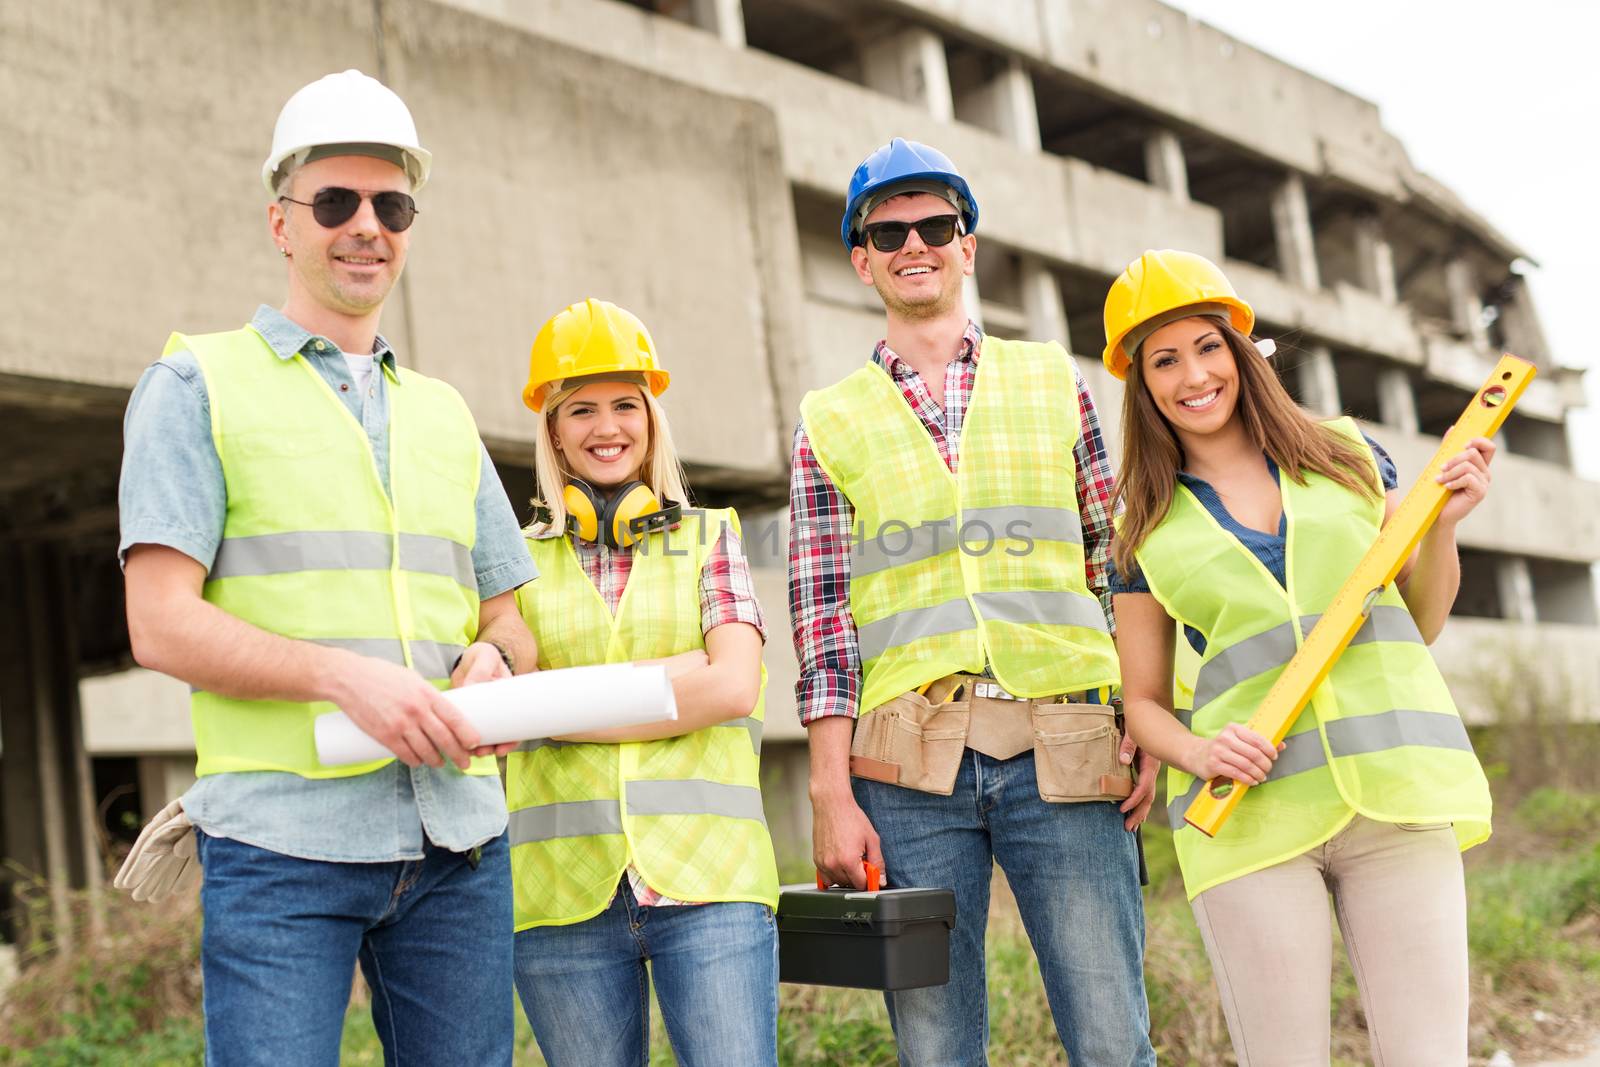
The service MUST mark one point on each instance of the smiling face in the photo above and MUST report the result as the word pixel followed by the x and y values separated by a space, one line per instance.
pixel 602 432
pixel 350 268
pixel 1189 371
pixel 915 281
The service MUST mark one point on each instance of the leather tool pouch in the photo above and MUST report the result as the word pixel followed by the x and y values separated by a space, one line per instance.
pixel 1075 754
pixel 1002 729
pixel 912 742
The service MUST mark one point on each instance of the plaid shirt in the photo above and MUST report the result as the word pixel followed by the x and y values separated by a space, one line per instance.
pixel 821 518
pixel 727 594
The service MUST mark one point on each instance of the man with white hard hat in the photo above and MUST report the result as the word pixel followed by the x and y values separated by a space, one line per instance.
pixel 306 525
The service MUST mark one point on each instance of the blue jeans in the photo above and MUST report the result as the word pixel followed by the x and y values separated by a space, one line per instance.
pixel 1075 873
pixel 283 935
pixel 715 967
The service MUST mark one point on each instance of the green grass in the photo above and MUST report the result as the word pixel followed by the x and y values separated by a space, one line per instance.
pixel 1534 932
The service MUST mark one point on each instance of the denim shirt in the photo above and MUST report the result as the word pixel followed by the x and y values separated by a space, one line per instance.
pixel 1269 548
pixel 172 493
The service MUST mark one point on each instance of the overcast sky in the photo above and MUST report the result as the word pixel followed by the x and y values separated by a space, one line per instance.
pixel 1496 100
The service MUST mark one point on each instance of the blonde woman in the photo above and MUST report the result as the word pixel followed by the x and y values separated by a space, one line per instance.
pixel 1242 517
pixel 642 844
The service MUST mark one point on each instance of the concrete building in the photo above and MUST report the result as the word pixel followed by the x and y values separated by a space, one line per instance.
pixel 688 159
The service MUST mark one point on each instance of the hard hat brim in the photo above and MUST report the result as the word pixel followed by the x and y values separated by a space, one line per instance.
pixel 849 230
pixel 534 396
pixel 1116 360
pixel 421 162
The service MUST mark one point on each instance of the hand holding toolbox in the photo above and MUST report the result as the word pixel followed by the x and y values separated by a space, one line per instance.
pixel 873 939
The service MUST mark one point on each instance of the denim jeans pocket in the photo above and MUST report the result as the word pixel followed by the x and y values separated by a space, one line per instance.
pixel 923 740
pixel 1075 754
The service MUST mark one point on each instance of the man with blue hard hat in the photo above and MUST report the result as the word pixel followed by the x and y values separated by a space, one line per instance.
pixel 951 621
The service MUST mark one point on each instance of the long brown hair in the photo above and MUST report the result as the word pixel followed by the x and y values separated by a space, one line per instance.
pixel 1152 456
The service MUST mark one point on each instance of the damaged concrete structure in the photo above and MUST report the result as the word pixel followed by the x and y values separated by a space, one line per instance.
pixel 688 159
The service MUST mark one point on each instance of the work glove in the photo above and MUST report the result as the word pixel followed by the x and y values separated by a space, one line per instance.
pixel 163 860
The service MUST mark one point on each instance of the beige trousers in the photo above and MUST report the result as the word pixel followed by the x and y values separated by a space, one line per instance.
pixel 1401 903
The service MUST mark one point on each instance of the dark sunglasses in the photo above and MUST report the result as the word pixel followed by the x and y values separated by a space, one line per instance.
pixel 936 231
pixel 335 206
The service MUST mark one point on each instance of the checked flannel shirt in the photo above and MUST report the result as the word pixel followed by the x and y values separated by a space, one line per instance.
pixel 821 520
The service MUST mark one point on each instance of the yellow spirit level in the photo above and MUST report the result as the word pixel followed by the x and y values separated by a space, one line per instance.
pixel 1351 605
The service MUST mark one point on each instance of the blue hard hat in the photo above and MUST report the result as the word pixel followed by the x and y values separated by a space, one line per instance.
pixel 896 163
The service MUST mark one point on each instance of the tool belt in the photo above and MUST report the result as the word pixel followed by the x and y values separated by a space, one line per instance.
pixel 917 739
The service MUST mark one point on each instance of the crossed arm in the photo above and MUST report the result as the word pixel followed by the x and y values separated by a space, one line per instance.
pixel 715 686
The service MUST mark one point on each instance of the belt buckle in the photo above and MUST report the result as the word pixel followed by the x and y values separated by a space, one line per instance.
pixel 991 691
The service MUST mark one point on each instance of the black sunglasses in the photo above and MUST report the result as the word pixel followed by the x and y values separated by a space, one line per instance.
pixel 936 231
pixel 335 206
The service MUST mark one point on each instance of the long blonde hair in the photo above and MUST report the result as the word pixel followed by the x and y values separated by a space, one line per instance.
pixel 1152 455
pixel 661 469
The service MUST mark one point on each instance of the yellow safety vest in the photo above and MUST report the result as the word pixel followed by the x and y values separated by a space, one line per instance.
pixel 1382 737
pixel 954 571
pixel 685 811
pixel 314 549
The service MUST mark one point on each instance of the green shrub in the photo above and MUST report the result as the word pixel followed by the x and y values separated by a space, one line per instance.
pixel 132 997
pixel 1558 813
pixel 1580 896
pixel 129 994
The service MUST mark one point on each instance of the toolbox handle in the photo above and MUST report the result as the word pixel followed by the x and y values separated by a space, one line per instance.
pixel 874 877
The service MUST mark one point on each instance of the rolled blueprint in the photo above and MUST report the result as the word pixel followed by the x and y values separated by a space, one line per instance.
pixel 542 704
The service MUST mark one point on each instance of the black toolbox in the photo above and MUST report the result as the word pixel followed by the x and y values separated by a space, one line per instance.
pixel 882 939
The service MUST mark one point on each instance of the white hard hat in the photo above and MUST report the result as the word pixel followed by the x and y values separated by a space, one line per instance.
pixel 347 109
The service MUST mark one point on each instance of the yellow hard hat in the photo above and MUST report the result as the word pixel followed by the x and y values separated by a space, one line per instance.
pixel 594 337
pixel 1155 286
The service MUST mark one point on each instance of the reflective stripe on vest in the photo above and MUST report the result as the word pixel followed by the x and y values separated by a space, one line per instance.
pixel 751 725
pixel 954 616
pixel 314 549
pixel 980 568
pixel 1381 736
pixel 1350 737
pixel 685 811
pixel 690 796
pixel 428 658
pixel 566 818
pixel 901 544
pixel 337 550
pixel 1275 647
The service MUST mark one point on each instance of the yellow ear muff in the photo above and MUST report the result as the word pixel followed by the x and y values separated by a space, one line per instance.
pixel 632 502
pixel 584 508
pixel 619 519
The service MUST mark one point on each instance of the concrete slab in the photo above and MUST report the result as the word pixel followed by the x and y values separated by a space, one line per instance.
pixel 783 669
pixel 133 133
pixel 552 184
pixel 828 125
pixel 1152 53
pixel 1483 659
pixel 8 968
pixel 135 712
pixel 1523 489
pixel 1062 210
